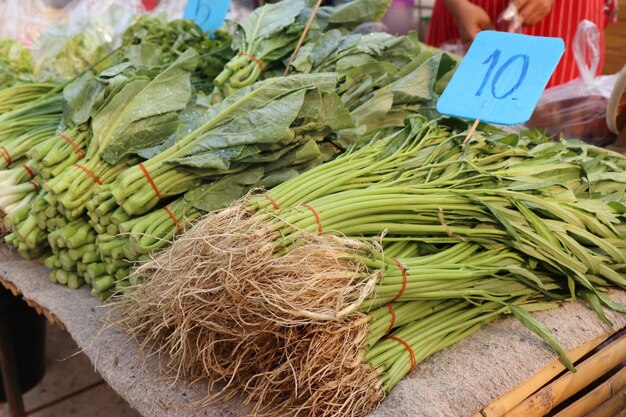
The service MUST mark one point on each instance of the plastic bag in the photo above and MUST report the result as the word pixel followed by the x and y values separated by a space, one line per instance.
pixel 25 20
pixel 85 33
pixel 509 20
pixel 65 37
pixel 577 109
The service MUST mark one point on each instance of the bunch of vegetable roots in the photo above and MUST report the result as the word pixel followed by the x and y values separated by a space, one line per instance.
pixel 319 296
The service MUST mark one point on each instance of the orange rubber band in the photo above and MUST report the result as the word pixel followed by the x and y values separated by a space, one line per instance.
pixel 73 144
pixel 6 155
pixel 393 318
pixel 317 217
pixel 91 174
pixel 30 171
pixel 408 347
pixel 252 58
pixel 147 174
pixel 167 210
pixel 403 280
pixel 274 203
pixel 34 184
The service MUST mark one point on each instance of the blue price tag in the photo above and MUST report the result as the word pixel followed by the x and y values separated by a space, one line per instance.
pixel 208 14
pixel 501 78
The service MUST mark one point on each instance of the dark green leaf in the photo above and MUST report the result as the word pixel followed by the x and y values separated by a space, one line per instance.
pixel 170 91
pixel 79 98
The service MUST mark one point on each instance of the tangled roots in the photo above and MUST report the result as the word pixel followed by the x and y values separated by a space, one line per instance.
pixel 220 304
pixel 322 375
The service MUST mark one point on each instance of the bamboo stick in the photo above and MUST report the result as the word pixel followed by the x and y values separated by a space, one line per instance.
pixel 506 402
pixel 611 407
pixel 540 403
pixel 595 398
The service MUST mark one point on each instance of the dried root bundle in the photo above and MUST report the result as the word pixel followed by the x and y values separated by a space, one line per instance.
pixel 221 304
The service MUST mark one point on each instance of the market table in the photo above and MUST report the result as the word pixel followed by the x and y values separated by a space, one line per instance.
pixel 458 381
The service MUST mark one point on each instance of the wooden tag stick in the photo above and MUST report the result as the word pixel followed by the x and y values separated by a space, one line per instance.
pixel 303 37
pixel 471 132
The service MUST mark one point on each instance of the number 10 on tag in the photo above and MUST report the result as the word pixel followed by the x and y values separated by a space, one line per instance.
pixel 501 78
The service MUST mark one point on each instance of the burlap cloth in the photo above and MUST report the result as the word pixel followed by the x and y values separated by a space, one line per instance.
pixel 456 382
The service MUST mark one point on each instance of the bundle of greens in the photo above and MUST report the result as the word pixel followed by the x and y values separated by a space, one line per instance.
pixel 413 236
pixel 177 36
pixel 26 234
pixel 134 103
pixel 151 43
pixel 28 125
pixel 270 34
pixel 257 125
pixel 31 116
pixel 16 188
pixel 384 79
pixel 130 106
pixel 24 94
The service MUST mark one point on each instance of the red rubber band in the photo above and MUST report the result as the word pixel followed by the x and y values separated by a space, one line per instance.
pixel 147 174
pixel 317 217
pixel 73 144
pixel 91 174
pixel 253 58
pixel 30 171
pixel 6 155
pixel 34 184
pixel 393 318
pixel 274 203
pixel 174 219
pixel 403 280
pixel 408 347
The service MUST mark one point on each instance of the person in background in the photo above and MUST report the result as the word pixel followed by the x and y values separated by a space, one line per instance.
pixel 463 19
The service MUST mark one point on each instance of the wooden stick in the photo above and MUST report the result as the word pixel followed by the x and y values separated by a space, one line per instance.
pixel 506 402
pixel 471 132
pixel 611 407
pixel 542 402
pixel 304 33
pixel 595 398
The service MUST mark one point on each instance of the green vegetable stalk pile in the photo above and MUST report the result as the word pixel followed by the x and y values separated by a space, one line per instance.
pixel 58 135
pixel 344 278
pixel 30 116
pixel 175 38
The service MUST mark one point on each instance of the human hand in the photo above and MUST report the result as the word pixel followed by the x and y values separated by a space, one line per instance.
pixel 533 11
pixel 469 18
